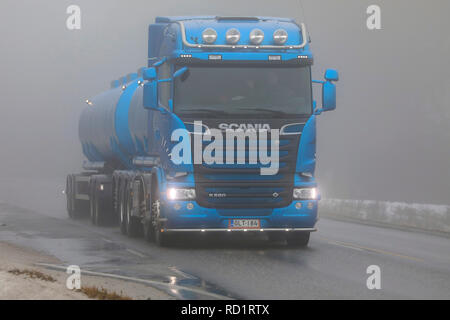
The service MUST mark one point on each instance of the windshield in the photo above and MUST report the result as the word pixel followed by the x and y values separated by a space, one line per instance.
pixel 248 92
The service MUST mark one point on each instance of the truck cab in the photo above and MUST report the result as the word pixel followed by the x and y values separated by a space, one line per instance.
pixel 225 74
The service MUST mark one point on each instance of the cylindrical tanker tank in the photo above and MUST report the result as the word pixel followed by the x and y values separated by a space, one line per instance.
pixel 113 128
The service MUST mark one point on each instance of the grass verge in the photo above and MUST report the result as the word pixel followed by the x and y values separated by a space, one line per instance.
pixel 33 274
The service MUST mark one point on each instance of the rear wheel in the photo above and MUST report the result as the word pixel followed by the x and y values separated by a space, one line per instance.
pixel 122 213
pixel 298 239
pixel 149 230
pixel 133 224
pixel 69 197
pixel 93 204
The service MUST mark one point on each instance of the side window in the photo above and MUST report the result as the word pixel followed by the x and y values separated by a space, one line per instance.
pixel 164 87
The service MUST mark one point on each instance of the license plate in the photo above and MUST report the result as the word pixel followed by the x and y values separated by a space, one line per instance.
pixel 244 224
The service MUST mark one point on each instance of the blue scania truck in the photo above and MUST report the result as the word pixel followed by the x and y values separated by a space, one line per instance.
pixel 226 73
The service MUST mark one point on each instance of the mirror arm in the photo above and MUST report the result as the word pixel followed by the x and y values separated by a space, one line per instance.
pixel 160 62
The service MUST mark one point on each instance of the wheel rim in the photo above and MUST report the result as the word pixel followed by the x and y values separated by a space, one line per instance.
pixel 128 220
pixel 121 214
pixel 156 212
pixel 93 210
pixel 68 197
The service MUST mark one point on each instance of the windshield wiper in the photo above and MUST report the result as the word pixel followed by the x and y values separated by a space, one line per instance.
pixel 267 110
pixel 206 111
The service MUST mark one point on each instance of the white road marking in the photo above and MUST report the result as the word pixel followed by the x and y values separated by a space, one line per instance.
pixel 379 251
pixel 345 246
pixel 184 274
pixel 136 253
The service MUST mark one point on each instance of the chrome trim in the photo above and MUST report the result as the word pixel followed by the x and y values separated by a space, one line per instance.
pixel 146 161
pixel 242 230
pixel 290 133
pixel 242 46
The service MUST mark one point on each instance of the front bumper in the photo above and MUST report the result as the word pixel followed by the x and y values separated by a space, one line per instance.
pixel 190 217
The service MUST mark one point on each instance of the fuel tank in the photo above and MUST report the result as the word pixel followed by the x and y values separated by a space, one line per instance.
pixel 113 127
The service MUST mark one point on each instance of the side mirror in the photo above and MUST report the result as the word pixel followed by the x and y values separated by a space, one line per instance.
pixel 180 72
pixel 331 75
pixel 328 91
pixel 328 96
pixel 150 99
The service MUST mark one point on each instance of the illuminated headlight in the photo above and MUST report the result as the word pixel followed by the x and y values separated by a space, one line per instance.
pixel 256 36
pixel 280 36
pixel 209 36
pixel 305 194
pixel 233 35
pixel 180 194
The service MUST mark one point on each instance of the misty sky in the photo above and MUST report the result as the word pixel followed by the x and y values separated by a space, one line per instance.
pixel 389 138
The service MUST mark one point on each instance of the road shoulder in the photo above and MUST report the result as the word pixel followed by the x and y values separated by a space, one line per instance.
pixel 22 279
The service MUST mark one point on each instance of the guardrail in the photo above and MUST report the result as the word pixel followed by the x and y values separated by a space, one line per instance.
pixel 428 217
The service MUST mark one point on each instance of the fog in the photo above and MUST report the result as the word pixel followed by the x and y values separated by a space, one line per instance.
pixel 389 138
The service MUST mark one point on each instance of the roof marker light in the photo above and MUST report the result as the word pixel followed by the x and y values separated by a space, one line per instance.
pixel 256 36
pixel 233 36
pixel 280 36
pixel 209 36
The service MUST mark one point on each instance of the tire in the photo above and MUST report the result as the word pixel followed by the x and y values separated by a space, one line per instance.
pixel 69 197
pixel 93 204
pixel 149 231
pixel 133 224
pixel 122 210
pixel 161 239
pixel 298 239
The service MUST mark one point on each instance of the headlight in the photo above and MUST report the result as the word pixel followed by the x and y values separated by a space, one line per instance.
pixel 280 36
pixel 305 193
pixel 233 35
pixel 180 194
pixel 209 36
pixel 256 36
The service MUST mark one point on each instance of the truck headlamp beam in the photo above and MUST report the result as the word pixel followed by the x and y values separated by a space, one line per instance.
pixel 180 194
pixel 305 193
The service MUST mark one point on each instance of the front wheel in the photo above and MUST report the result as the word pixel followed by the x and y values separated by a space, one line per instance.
pixel 298 239
pixel 162 239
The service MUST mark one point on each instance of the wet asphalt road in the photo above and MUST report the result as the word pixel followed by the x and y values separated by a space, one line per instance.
pixel 413 265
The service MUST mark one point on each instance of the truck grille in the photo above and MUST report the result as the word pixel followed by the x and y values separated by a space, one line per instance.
pixel 242 186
